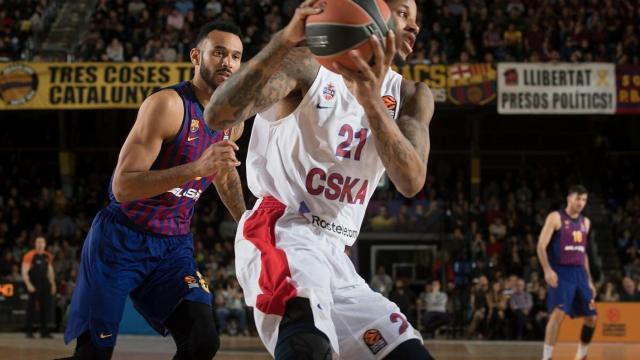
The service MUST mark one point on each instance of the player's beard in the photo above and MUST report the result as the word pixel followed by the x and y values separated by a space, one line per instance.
pixel 207 75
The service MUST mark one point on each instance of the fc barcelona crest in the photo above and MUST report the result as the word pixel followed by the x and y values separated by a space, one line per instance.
pixel 195 125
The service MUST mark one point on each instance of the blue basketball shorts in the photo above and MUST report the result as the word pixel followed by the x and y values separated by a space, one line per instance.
pixel 117 261
pixel 573 295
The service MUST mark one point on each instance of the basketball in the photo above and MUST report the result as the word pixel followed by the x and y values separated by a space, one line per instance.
pixel 346 25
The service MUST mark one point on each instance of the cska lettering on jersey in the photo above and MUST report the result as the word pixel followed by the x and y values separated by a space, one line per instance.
pixel 335 186
pixel 190 193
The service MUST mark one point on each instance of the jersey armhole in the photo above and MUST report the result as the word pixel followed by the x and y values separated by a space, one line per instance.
pixel 180 133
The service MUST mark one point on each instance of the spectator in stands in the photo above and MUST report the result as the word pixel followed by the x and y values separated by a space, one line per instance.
pixel 6 264
pixel 434 218
pixel 478 304
pixel 520 304
pixel 498 229
pixel 39 278
pixel 404 221
pixel 609 293
pixel 434 303
pixel 494 248
pixel 539 313
pixel 115 51
pixel 61 224
pixel 230 303
pixel 632 269
pixel 381 282
pixel 383 221
pixel 402 296
pixel 629 291
pixel 497 311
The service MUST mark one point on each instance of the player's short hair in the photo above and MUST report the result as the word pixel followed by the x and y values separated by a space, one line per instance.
pixel 577 189
pixel 223 26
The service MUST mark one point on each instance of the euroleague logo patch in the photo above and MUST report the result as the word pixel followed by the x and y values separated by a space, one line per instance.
pixel 374 340
pixel 329 91
pixel 191 281
pixel 390 103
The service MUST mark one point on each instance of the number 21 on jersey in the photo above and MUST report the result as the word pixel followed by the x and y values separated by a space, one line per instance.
pixel 344 148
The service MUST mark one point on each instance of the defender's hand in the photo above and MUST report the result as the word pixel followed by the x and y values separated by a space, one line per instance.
pixel 217 157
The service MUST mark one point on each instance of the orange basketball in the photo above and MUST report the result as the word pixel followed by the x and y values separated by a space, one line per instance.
pixel 346 25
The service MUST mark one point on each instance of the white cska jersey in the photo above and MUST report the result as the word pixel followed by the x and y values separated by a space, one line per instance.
pixel 321 160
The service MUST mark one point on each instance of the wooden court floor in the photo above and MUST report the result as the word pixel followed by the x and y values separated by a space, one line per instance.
pixel 14 346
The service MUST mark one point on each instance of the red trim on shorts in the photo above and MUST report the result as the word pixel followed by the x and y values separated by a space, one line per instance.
pixel 274 279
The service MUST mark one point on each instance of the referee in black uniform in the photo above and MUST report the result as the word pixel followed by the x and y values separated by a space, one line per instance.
pixel 37 272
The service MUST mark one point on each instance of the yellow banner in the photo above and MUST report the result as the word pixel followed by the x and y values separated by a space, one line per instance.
pixel 84 85
pixel 435 76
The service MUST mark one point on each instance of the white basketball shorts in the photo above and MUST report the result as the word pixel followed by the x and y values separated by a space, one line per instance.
pixel 280 255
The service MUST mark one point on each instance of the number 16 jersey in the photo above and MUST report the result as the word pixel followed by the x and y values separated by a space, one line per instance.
pixel 321 161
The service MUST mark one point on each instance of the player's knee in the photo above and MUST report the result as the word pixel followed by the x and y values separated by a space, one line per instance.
pixel 590 320
pixel 587 333
pixel 194 331
pixel 298 338
pixel 304 345
pixel 409 350
pixel 204 348
pixel 557 315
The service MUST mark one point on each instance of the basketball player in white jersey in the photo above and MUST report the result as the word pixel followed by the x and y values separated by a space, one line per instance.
pixel 319 145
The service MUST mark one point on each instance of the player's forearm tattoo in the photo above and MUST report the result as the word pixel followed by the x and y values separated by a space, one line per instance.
pixel 414 131
pixel 230 191
pixel 403 153
pixel 264 80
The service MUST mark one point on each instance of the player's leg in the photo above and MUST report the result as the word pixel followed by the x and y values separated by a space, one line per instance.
pixel 584 305
pixel 588 328
pixel 551 332
pixel 175 298
pixel 409 350
pixel 105 279
pixel 194 332
pixel 285 278
pixel 31 309
pixel 368 325
pixel 45 300
pixel 298 337
pixel 560 299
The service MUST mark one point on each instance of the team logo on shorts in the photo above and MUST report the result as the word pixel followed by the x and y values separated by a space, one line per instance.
pixel 191 281
pixel 391 104
pixel 374 340
pixel 329 91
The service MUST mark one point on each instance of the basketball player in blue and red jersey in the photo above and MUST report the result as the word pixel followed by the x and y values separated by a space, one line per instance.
pixel 319 145
pixel 140 245
pixel 562 250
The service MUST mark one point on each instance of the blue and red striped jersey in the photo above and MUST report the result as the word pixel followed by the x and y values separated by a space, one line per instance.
pixel 170 213
pixel 569 243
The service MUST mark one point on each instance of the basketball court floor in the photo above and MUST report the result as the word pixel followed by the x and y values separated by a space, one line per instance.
pixel 14 346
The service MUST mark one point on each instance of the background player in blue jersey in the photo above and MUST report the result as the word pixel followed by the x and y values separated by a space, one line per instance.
pixel 562 250
pixel 140 245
